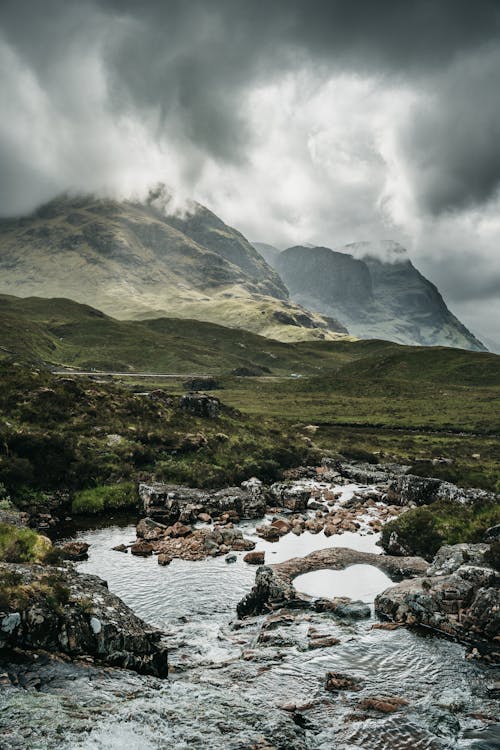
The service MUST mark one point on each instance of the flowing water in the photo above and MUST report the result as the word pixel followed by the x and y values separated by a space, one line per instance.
pixel 229 683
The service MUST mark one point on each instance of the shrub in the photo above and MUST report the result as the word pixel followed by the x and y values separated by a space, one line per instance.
pixel 22 545
pixel 105 498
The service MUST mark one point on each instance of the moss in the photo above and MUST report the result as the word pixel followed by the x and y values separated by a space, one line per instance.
pixel 22 545
pixel 104 498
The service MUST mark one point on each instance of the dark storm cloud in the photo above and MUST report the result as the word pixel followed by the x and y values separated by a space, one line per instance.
pixel 193 60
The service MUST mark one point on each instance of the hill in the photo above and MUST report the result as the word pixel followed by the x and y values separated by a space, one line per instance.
pixel 374 298
pixel 134 260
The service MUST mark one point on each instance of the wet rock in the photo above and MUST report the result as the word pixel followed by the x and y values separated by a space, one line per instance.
pixel 168 503
pixel 74 550
pixel 201 405
pixel 178 530
pixel 336 681
pixel 151 530
pixel 268 532
pixel 343 607
pixel 385 704
pixel 314 525
pixel 142 548
pixel 62 611
pixel 164 559
pixel 268 592
pixel 204 517
pixel 461 602
pixel 232 558
pixel 317 640
pixel 254 558
pixel 121 548
pixel 291 495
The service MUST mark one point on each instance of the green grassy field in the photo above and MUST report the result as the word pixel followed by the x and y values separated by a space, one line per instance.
pixel 370 399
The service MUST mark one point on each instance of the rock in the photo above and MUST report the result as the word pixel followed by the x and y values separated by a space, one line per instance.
pixel 164 559
pixel 323 641
pixel 202 383
pixel 204 518
pixel 232 558
pixel 461 602
pixel 179 530
pixel 343 607
pixel 149 529
pixel 450 558
pixel 268 532
pixel 274 584
pixel 201 405
pixel 385 704
pixel 62 611
pixel 492 534
pixel 314 525
pixel 168 503
pixel 290 495
pixel 409 489
pixel 336 681
pixel 74 550
pixel 121 548
pixel 142 548
pixel 283 527
pixel 269 591
pixel 254 558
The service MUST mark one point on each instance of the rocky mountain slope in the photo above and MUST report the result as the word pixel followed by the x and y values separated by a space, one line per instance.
pixel 133 260
pixel 373 298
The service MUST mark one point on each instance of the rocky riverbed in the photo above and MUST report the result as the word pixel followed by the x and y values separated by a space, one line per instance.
pixel 305 672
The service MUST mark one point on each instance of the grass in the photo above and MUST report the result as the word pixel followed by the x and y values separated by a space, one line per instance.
pixel 22 545
pixel 104 499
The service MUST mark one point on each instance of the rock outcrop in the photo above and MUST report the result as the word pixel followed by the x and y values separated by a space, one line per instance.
pixel 60 610
pixel 274 587
pixel 459 596
pixel 168 503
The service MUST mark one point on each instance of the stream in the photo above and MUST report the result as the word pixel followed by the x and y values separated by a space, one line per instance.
pixel 229 684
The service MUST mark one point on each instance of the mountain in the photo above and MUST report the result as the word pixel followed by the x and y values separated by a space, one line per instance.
pixel 134 260
pixel 377 298
pixel 268 252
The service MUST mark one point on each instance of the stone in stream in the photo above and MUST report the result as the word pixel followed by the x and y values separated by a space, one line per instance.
pixel 168 503
pixel 459 596
pixel 254 558
pixel 142 548
pixel 74 550
pixel 121 548
pixel 336 681
pixel 62 611
pixel 385 704
pixel 274 584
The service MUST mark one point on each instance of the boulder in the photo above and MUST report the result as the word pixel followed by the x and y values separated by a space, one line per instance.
pixel 254 558
pixel 149 529
pixel 142 548
pixel 74 551
pixel 60 610
pixel 200 405
pixel 409 489
pixel 461 600
pixel 168 503
pixel 292 496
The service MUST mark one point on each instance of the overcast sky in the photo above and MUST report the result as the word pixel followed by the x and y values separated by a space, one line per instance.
pixel 319 121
